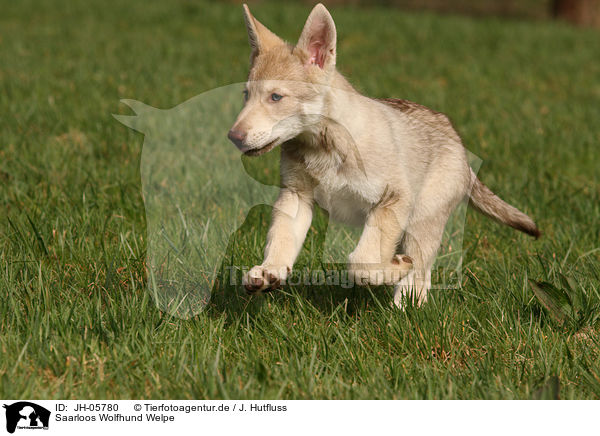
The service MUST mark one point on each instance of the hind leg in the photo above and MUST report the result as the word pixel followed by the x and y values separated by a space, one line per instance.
pixel 421 242
pixel 441 191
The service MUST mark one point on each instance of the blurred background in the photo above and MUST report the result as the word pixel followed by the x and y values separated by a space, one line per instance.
pixel 577 12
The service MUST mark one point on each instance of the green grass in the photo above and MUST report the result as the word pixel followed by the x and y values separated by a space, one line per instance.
pixel 76 320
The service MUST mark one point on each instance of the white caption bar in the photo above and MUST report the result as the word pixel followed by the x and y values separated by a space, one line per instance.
pixel 80 417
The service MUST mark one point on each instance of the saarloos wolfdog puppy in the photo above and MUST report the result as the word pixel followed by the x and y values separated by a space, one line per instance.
pixel 395 167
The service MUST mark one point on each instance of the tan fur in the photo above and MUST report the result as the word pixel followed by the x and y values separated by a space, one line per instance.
pixel 395 167
pixel 489 204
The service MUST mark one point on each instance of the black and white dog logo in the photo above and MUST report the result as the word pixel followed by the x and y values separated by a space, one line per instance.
pixel 26 415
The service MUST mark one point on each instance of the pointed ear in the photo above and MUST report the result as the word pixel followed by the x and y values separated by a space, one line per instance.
pixel 319 37
pixel 260 38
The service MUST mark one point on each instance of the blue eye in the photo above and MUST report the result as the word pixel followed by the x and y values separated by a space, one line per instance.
pixel 276 97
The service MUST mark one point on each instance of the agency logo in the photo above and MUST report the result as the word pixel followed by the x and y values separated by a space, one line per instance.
pixel 26 415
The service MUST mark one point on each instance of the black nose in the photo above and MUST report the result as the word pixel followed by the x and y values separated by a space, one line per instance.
pixel 237 138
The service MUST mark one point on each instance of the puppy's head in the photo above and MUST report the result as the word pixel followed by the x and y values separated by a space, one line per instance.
pixel 287 86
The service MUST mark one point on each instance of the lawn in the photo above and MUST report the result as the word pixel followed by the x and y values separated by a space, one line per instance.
pixel 76 320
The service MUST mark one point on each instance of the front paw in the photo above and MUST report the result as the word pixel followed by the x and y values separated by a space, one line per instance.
pixel 265 278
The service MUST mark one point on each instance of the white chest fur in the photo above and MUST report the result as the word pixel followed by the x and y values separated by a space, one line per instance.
pixel 343 188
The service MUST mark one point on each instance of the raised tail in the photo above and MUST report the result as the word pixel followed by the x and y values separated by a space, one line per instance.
pixel 489 204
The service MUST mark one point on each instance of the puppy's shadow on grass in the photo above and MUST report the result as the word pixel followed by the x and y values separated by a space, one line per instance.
pixel 321 298
pixel 354 300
